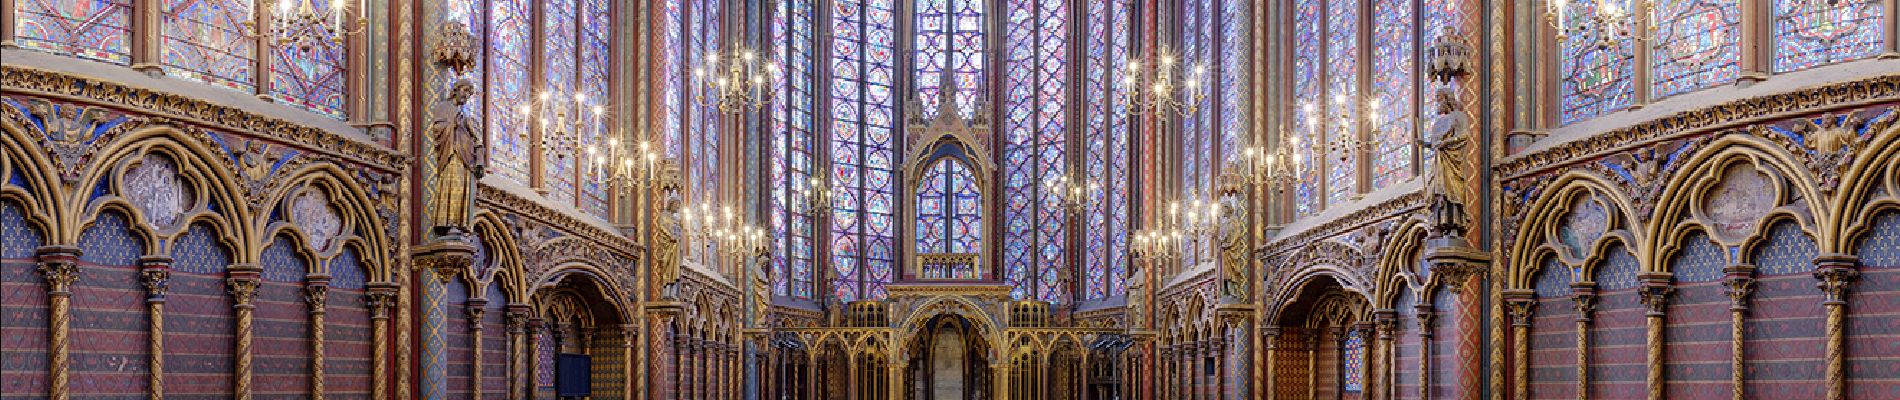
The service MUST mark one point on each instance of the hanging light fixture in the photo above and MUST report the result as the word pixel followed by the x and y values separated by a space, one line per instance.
pixel 736 82
pixel 1164 87
pixel 1610 23
pixel 308 24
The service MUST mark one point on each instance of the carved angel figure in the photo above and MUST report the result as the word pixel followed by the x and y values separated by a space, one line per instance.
pixel 460 153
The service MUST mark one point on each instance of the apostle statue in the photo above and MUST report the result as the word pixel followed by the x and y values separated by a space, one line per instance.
pixel 668 227
pixel 459 149
pixel 1448 183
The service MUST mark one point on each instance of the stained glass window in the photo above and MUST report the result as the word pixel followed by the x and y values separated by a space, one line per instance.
pixel 703 133
pixel 862 147
pixel 949 209
pixel 949 44
pixel 1307 48
pixel 1034 140
pixel 1810 33
pixel 206 40
pixel 311 78
pixel 1234 46
pixel 1105 221
pixel 670 61
pixel 559 58
pixel 1393 78
pixel 596 59
pixel 791 146
pixel 509 32
pixel 95 29
pixel 1342 98
pixel 1353 367
pixel 1596 73
pixel 1695 44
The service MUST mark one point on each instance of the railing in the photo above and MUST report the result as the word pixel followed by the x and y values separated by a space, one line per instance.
pixel 947 266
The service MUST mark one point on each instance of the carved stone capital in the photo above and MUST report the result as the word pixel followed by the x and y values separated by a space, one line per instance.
pixel 1835 272
pixel 516 318
pixel 316 292
pixel 1427 319
pixel 1655 293
pixel 1584 299
pixel 1738 281
pixel 1458 265
pixel 155 274
pixel 1386 321
pixel 1519 303
pixel 242 281
pixel 444 259
pixel 381 299
pixel 59 265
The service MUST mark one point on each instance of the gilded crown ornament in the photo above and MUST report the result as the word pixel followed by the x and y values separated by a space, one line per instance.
pixel 454 48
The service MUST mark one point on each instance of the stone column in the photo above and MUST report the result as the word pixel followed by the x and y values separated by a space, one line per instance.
pixel 1386 326
pixel 474 311
pixel 1585 298
pixel 316 292
pixel 1272 348
pixel 243 280
pixel 155 273
pixel 1835 272
pixel 679 366
pixel 381 299
pixel 1520 303
pixel 1655 296
pixel 1427 323
pixel 518 350
pixel 1464 268
pixel 1738 282
pixel 1000 377
pixel 59 266
pixel 438 264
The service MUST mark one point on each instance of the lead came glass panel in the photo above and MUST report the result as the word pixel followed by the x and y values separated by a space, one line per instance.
pixel 949 210
pixel 311 77
pixel 559 56
pixel 1695 44
pixel 1106 218
pixel 1307 30
pixel 862 147
pixel 508 49
pixel 792 146
pixel 596 59
pixel 94 29
pixel 206 40
pixel 1342 102
pixel 1034 145
pixel 1392 79
pixel 1810 33
pixel 1596 73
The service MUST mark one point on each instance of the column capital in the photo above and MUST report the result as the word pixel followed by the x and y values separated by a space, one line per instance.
pixel 60 266
pixel 444 259
pixel 1738 282
pixel 1835 272
pixel 1655 292
pixel 316 292
pixel 243 280
pixel 155 273
pixel 1519 303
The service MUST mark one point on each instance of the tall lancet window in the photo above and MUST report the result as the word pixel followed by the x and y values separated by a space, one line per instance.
pixel 1105 158
pixel 793 145
pixel 863 143
pixel 949 45
pixel 949 209
pixel 1034 139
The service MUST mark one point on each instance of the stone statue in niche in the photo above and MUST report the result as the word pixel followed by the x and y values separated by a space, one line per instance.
pixel 667 227
pixel 1234 249
pixel 155 187
pixel 460 151
pixel 1448 182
